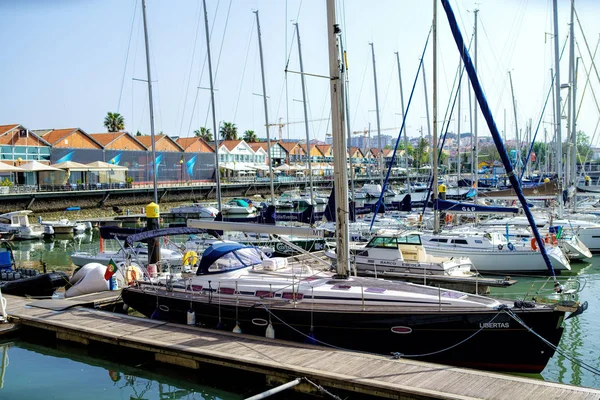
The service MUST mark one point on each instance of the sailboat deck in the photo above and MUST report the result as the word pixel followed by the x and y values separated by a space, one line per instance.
pixel 358 372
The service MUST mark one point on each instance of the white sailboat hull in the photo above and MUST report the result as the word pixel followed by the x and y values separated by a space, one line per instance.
pixel 503 261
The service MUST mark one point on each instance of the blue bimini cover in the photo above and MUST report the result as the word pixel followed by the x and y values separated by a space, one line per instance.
pixel 227 256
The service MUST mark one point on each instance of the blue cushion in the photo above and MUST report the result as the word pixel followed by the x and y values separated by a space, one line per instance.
pixel 5 261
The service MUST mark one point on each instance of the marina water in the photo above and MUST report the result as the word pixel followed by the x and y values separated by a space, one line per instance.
pixel 579 340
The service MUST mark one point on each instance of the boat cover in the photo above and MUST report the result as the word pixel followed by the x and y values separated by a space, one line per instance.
pixel 456 207
pixel 234 255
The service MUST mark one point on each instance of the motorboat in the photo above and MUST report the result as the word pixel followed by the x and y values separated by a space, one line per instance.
pixel 405 253
pixel 237 288
pixel 64 226
pixel 196 209
pixel 371 190
pixel 26 281
pixel 17 223
pixel 490 252
pixel 238 207
pixel 294 199
pixel 568 241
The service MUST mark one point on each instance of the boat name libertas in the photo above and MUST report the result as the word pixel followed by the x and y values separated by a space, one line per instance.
pixel 494 325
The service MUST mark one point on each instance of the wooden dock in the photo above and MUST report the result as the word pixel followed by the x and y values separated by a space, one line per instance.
pixel 279 360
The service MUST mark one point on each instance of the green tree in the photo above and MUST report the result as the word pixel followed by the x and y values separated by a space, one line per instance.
pixel 228 131
pixel 584 148
pixel 138 133
pixel 204 133
pixel 250 136
pixel 114 122
pixel 421 155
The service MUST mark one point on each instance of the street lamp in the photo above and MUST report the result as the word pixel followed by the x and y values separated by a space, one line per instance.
pixel 16 173
pixel 181 168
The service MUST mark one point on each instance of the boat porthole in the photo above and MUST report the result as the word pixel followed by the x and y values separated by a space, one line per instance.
pixel 402 330
pixel 260 322
pixel 163 308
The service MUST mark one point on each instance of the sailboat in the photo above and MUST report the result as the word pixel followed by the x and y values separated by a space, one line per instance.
pixel 237 288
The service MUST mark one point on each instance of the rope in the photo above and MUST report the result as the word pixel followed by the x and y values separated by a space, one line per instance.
pixel 396 355
pixel 412 92
pixel 574 360
pixel 127 57
pixel 187 89
pixel 399 355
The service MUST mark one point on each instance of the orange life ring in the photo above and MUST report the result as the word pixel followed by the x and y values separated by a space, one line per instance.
pixel 547 238
pixel 131 275
pixel 554 240
pixel 534 246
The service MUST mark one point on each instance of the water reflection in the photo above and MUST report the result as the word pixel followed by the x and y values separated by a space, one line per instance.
pixel 580 338
pixel 34 368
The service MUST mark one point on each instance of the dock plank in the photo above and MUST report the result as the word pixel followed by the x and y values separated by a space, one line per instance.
pixel 359 372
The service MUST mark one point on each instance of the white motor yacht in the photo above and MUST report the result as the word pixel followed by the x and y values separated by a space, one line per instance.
pixel 17 223
pixel 202 210
pixel 405 253
pixel 490 252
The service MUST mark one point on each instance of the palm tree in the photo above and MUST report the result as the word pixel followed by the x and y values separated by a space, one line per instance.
pixel 204 133
pixel 228 131
pixel 114 122
pixel 250 136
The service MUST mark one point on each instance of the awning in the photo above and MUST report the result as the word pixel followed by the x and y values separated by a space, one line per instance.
pixel 36 166
pixel 283 167
pixel 259 167
pixel 72 166
pixel 9 168
pixel 235 166
pixel 104 166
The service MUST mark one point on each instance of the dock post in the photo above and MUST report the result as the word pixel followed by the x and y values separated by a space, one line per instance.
pixel 153 222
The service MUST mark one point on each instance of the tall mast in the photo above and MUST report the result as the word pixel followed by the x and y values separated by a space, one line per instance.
pixel 150 103
pixel 339 144
pixel 436 224
pixel 518 156
pixel 427 110
pixel 574 132
pixel 345 87
pixel 310 178
pixel 264 87
pixel 572 100
pixel 380 152
pixel 557 108
pixel 405 133
pixel 475 110
pixel 458 125
pixel 212 104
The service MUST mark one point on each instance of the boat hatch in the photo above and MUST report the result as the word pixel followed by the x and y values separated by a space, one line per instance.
pixel 341 287
pixel 292 296
pixel 263 293
pixel 375 290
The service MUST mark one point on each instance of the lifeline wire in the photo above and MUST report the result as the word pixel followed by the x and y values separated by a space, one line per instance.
pixel 574 360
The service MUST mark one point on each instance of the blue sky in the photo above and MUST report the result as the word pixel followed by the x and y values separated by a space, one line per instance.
pixel 64 61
